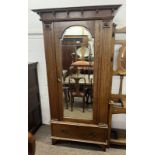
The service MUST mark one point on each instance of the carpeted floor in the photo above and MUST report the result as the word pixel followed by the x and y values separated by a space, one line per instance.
pixel 44 147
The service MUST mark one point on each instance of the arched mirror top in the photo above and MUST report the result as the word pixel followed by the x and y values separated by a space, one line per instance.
pixel 77 30
pixel 82 37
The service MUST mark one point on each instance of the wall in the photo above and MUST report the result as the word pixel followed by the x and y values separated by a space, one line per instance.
pixel 36 46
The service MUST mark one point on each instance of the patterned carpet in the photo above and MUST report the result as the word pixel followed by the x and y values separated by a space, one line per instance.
pixel 44 147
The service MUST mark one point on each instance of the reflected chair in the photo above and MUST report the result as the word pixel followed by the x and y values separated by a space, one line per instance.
pixel 75 90
pixel 89 92
pixel 66 92
pixel 66 95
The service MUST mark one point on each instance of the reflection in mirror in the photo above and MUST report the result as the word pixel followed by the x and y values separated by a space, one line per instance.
pixel 77 51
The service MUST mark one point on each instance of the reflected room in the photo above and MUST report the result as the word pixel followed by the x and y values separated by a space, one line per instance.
pixel 77 56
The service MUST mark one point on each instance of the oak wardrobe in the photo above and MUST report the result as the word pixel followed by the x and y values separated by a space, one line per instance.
pixel 79 46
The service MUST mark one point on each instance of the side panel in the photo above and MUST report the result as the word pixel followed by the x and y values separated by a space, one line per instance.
pixel 104 67
pixel 50 55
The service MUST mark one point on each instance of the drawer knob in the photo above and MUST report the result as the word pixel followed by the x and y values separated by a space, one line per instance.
pixel 92 134
pixel 65 131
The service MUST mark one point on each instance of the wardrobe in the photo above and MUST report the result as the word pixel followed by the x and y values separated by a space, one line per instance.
pixel 79 93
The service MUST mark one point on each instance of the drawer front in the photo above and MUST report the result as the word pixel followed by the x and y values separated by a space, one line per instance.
pixel 79 132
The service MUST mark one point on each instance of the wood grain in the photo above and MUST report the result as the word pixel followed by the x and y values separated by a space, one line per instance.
pixel 79 131
pixel 98 20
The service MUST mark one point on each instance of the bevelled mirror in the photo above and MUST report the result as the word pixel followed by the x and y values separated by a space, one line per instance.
pixel 77 59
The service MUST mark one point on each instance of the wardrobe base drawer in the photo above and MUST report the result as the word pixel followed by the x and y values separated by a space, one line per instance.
pixel 79 131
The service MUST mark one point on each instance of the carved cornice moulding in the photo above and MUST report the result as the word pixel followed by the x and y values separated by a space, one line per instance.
pixel 105 12
pixel 80 8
